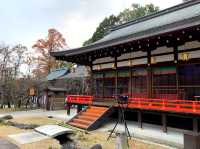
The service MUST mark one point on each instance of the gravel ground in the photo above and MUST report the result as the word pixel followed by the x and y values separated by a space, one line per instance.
pixel 151 133
pixel 59 114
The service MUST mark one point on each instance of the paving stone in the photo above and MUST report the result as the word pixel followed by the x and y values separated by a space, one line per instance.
pixel 5 144
pixel 28 137
pixel 53 130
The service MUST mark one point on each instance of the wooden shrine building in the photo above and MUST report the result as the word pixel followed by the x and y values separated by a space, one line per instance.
pixel 155 60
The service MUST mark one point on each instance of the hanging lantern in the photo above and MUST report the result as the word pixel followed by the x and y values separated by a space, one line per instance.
pixel 153 60
pixel 98 67
pixel 184 56
pixel 114 66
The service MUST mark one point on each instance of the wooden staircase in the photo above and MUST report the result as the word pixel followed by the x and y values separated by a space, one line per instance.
pixel 90 118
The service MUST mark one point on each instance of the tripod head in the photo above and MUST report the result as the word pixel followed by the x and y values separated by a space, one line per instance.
pixel 121 99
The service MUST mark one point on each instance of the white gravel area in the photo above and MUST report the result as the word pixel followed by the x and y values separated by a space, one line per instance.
pixel 59 114
pixel 148 132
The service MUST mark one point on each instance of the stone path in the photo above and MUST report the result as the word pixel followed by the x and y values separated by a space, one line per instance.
pixel 5 144
pixel 27 137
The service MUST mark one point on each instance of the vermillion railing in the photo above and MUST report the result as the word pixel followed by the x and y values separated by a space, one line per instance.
pixel 79 99
pixel 182 106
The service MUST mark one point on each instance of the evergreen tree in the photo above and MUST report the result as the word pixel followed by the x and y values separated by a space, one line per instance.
pixel 102 29
pixel 128 14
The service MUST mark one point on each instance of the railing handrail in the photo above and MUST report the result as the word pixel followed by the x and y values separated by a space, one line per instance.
pixel 82 99
pixel 175 105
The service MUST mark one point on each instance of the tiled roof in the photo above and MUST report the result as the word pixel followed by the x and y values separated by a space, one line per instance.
pixel 178 17
pixel 57 73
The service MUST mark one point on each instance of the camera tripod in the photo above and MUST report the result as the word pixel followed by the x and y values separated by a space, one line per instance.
pixel 122 102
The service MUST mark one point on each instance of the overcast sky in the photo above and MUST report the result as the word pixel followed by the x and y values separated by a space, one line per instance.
pixel 24 21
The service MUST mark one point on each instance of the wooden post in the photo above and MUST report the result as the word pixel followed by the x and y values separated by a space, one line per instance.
pixel 139 119
pixel 92 81
pixel 191 141
pixel 195 125
pixel 116 77
pixel 164 122
pixel 79 108
pixel 149 74
pixel 131 82
pixel 176 64
pixel 68 108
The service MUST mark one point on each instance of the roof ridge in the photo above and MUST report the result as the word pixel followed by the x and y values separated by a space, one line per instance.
pixel 156 14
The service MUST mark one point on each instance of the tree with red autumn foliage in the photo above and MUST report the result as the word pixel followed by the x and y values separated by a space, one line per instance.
pixel 54 42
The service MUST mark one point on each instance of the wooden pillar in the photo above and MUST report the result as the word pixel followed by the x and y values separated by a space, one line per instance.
pixel 139 119
pixel 191 141
pixel 149 75
pixel 103 84
pixel 92 81
pixel 130 82
pixel 116 76
pixel 79 108
pixel 195 126
pixel 68 108
pixel 177 74
pixel 164 122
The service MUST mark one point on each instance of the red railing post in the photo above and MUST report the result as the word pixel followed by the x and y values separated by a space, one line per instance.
pixel 163 104
pixel 194 106
pixel 139 102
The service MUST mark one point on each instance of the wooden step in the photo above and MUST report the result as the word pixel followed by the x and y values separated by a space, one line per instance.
pixel 85 117
pixel 98 108
pixel 91 114
pixel 78 125
pixel 94 111
pixel 81 121
pixel 89 118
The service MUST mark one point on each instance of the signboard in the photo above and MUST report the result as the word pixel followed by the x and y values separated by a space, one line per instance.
pixel 31 92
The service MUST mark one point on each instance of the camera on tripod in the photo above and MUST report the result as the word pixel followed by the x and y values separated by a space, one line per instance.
pixel 121 99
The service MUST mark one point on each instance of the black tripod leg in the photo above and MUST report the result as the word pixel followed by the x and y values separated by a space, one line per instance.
pixel 113 130
pixel 129 135
pixel 125 124
pixel 126 127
